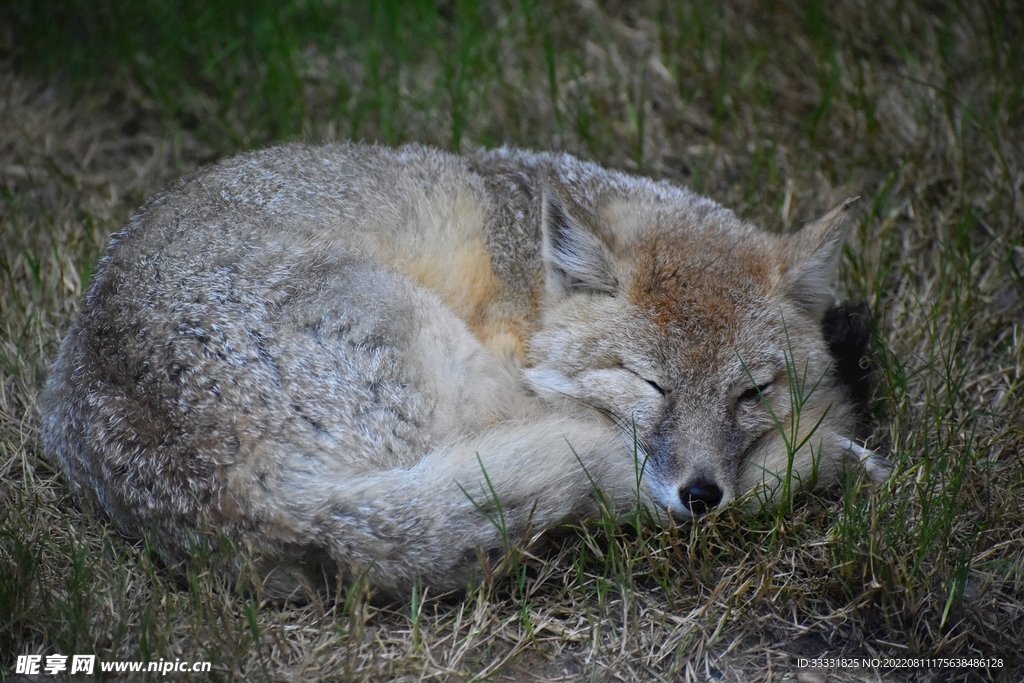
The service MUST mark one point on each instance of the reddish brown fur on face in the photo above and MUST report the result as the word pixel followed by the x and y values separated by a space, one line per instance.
pixel 699 288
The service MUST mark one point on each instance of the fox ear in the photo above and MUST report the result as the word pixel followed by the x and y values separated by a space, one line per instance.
pixel 813 259
pixel 575 259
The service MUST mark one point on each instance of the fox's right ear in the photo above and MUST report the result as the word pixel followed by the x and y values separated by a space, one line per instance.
pixel 813 259
pixel 575 259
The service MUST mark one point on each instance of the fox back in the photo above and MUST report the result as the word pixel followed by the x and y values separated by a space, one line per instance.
pixel 360 361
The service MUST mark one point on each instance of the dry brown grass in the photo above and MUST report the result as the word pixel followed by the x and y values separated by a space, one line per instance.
pixel 772 109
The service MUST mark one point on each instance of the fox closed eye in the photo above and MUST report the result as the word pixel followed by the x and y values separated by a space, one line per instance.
pixel 657 387
pixel 753 393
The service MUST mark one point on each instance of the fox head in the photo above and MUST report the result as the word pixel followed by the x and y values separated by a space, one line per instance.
pixel 700 337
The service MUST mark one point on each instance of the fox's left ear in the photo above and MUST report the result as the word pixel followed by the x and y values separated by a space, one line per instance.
pixel 575 258
pixel 813 259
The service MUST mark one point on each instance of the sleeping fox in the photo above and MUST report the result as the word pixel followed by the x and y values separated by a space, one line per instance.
pixel 384 362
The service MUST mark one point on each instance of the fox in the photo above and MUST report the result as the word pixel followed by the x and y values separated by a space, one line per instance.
pixel 364 362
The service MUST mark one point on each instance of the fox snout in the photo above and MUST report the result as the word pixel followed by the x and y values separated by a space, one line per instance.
pixel 693 496
pixel 686 476
pixel 700 495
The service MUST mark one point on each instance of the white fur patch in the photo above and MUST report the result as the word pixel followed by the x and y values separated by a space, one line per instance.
pixel 550 383
pixel 878 467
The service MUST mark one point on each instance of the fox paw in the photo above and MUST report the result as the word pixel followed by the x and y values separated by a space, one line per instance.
pixel 877 467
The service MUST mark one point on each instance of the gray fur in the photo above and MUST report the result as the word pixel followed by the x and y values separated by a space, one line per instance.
pixel 320 351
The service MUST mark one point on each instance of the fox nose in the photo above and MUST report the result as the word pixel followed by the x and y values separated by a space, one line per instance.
pixel 700 496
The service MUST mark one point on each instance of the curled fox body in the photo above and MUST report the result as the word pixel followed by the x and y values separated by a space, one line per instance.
pixel 349 358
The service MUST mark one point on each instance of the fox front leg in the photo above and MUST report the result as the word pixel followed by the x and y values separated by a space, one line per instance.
pixel 877 467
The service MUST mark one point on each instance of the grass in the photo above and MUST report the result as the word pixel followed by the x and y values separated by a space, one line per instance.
pixel 779 110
